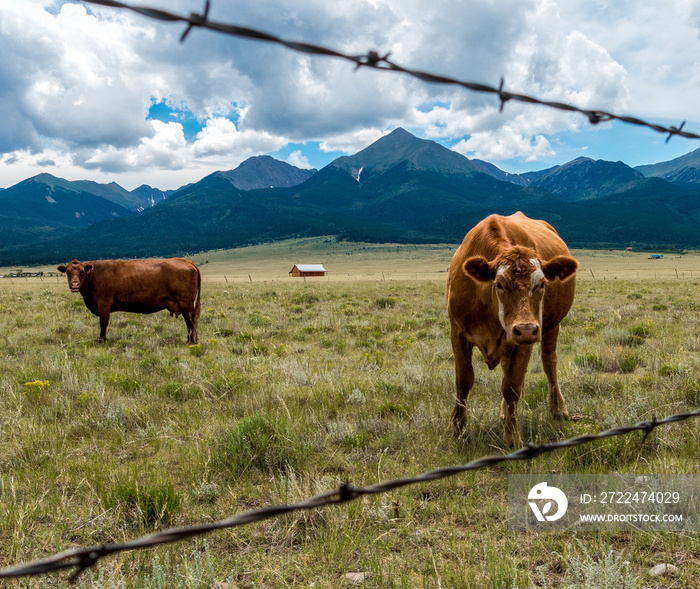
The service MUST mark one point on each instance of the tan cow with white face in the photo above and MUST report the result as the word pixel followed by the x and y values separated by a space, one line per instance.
pixel 509 285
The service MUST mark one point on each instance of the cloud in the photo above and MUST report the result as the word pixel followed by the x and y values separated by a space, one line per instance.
pixel 220 137
pixel 77 81
pixel 545 60
pixel 70 76
pixel 505 144
pixel 296 158
pixel 655 43
pixel 164 148
pixel 352 141
pixel 21 164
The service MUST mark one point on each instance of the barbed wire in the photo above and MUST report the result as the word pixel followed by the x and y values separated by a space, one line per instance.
pixel 83 558
pixel 374 60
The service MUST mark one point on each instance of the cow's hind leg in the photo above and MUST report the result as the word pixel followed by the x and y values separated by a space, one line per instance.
pixel 191 323
pixel 176 310
pixel 514 368
pixel 464 377
pixel 549 364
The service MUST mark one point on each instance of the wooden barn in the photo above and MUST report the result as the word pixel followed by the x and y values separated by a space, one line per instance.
pixel 308 270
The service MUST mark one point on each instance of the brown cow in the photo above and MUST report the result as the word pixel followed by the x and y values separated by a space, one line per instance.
pixel 509 285
pixel 138 286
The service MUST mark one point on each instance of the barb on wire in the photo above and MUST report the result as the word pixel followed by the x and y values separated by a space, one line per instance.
pixel 374 60
pixel 83 558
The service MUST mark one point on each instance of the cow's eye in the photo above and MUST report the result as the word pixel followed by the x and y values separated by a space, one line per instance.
pixel 499 286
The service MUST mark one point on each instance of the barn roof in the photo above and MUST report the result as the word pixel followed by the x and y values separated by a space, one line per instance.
pixel 309 267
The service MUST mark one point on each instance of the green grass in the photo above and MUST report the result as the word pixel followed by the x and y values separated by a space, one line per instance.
pixel 255 442
pixel 297 387
pixel 151 505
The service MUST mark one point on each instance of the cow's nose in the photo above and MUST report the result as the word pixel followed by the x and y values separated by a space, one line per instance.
pixel 526 333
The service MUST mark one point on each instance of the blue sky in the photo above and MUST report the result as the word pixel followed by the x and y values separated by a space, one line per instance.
pixel 108 95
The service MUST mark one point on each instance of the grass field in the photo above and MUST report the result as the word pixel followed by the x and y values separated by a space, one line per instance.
pixel 299 386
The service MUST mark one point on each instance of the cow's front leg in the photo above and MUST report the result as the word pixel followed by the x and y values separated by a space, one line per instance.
pixel 464 377
pixel 514 367
pixel 549 364
pixel 104 322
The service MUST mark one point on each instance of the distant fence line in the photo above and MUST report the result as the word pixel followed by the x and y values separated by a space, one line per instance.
pixel 30 275
pixel 584 275
pixel 381 62
pixel 83 558
pixel 330 277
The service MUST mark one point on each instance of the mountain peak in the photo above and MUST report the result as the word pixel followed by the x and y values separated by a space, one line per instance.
pixel 584 178
pixel 401 134
pixel 684 169
pixel 111 192
pixel 398 138
pixel 402 147
pixel 264 171
pixel 45 178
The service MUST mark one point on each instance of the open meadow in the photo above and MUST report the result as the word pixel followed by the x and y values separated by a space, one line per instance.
pixel 300 385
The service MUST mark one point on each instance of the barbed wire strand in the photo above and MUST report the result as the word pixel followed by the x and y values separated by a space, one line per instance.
pixel 83 558
pixel 374 60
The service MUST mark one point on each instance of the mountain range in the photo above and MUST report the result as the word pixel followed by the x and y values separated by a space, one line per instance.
pixel 400 188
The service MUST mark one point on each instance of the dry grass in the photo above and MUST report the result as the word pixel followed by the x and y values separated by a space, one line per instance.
pixel 299 386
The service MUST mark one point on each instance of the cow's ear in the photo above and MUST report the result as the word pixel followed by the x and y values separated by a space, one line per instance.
pixel 479 269
pixel 561 267
pixel 62 268
pixel 88 267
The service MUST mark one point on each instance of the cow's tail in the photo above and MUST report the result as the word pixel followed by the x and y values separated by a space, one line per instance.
pixel 447 286
pixel 197 306
pixel 198 302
